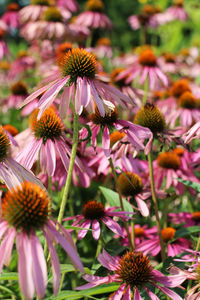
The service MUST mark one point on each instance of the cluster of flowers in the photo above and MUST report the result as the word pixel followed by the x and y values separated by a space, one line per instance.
pixel 90 117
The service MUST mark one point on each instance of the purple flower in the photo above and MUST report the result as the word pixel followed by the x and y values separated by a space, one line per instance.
pixel 133 272
pixel 94 212
pixel 24 211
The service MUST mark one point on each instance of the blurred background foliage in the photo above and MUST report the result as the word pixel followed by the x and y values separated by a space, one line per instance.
pixel 171 37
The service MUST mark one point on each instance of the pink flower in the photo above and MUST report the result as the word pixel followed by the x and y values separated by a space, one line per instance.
pixel 141 233
pixel 11 16
pixel 145 68
pixel 11 172
pixel 71 5
pixel 177 11
pixel 171 166
pixel 94 17
pixel 19 92
pixel 33 12
pixel 25 210
pixel 152 246
pixel 186 111
pixel 135 134
pixel 47 139
pixel 93 212
pixel 133 271
pixel 189 219
pixel 78 76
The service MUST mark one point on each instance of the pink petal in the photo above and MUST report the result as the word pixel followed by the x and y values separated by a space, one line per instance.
pixel 169 292
pixel 96 229
pixel 37 93
pixel 25 265
pixel 106 141
pixel 112 225
pixel 142 207
pixel 119 293
pixel 67 247
pixel 127 295
pixel 137 295
pixel 51 161
pixel 55 264
pixel 39 266
pixel 86 225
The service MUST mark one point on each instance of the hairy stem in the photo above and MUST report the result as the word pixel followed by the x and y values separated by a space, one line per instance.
pixel 71 166
pixel 121 202
pixel 156 205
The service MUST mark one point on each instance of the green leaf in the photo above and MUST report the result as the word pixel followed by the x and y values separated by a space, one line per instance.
pixel 194 185
pixel 72 295
pixel 187 231
pixel 75 228
pixel 113 198
pixel 9 276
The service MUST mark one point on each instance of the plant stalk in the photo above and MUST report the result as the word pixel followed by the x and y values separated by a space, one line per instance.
pixel 156 205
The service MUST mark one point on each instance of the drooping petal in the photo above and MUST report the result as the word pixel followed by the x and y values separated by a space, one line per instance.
pixel 39 266
pixel 25 265
pixel 112 225
pixel 137 295
pixel 127 295
pixel 106 141
pixel 55 264
pixel 67 247
pixel 96 229
pixel 51 159
pixel 119 293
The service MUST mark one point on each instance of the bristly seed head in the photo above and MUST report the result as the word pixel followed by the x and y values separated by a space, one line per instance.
pixel 95 5
pixel 78 63
pixel 129 183
pixel 168 234
pixel 179 87
pixel 52 14
pixel 151 117
pixel 13 7
pixel 19 89
pixel 93 210
pixel 134 269
pixel 115 137
pixel 169 160
pixel 187 100
pixel 196 216
pixel 49 126
pixel 111 117
pixel 26 207
pixel 179 3
pixel 139 231
pixel 40 2
pixel 147 58
pixel 11 129
pixel 4 145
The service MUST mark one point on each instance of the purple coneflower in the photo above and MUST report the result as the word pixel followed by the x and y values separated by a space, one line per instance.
pixel 11 16
pixel 152 246
pixel 133 272
pixel 146 68
pixel 47 140
pixel 93 212
pixel 94 17
pixel 26 210
pixel 78 70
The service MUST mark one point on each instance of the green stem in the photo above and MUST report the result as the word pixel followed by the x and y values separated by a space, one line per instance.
pixel 71 166
pixel 133 233
pixel 121 203
pixel 156 205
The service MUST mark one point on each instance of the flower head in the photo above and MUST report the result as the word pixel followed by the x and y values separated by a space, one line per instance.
pixel 151 117
pixel 95 5
pixel 129 183
pixel 78 63
pixel 25 210
pixel 52 14
pixel 48 127
pixel 133 271
pixel 169 160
